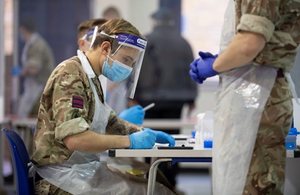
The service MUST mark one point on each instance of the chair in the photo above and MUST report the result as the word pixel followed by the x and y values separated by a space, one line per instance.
pixel 21 162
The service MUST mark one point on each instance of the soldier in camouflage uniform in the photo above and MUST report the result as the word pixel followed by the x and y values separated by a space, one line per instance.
pixel 266 33
pixel 266 173
pixel 66 119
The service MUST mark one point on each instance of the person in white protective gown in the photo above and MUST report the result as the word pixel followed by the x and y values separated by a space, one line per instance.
pixel 75 124
pixel 254 106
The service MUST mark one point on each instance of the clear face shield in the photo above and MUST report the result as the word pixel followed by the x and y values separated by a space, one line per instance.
pixel 126 59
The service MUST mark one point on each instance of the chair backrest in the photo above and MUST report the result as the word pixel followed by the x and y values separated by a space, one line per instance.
pixel 20 160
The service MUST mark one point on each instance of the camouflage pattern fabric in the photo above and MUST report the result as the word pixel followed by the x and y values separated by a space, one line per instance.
pixel 43 187
pixel 278 21
pixel 267 169
pixel 67 108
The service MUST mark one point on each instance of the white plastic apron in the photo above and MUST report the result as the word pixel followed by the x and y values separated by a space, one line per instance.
pixel 241 101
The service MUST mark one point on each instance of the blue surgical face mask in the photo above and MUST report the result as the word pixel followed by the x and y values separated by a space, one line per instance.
pixel 116 71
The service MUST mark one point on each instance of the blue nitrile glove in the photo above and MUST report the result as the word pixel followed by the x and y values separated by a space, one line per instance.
pixel 134 114
pixel 163 138
pixel 16 71
pixel 142 139
pixel 194 72
pixel 202 67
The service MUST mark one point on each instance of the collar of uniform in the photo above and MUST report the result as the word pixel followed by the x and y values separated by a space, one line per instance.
pixel 86 64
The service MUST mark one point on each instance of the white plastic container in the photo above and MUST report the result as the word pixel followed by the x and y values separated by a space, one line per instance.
pixel 204 130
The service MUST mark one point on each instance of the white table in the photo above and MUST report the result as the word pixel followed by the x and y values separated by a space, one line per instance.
pixel 163 155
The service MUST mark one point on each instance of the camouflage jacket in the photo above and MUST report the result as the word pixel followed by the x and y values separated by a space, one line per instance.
pixel 279 22
pixel 66 108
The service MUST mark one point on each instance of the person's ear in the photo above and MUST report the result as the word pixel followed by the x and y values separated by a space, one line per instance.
pixel 105 48
pixel 80 43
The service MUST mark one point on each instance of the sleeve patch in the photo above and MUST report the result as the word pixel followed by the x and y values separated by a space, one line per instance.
pixel 77 102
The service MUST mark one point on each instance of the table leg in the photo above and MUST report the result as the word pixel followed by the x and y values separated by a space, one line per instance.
pixel 152 175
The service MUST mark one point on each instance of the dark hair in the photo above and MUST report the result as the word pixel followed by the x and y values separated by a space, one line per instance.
pixel 163 14
pixel 86 25
pixel 28 25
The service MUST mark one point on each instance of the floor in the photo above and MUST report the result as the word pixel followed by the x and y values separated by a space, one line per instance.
pixel 194 182
pixel 189 182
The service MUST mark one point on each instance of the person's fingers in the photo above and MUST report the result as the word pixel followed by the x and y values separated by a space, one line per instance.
pixel 204 55
pixel 139 107
pixel 171 141
pixel 196 77
pixel 193 75
pixel 193 65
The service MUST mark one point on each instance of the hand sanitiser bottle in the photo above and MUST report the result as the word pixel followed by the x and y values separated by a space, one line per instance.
pixel 198 133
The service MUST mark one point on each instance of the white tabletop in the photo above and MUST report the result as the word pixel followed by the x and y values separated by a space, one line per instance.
pixel 20 121
pixel 166 153
pixel 176 153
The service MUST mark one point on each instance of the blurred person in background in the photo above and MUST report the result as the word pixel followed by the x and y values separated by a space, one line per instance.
pixel 164 78
pixel 111 12
pixel 37 63
pixel 73 131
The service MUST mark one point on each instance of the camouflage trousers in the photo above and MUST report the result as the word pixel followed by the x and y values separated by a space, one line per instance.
pixel 267 168
pixel 43 187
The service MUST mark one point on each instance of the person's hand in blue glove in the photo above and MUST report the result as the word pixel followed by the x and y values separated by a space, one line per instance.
pixel 142 139
pixel 16 71
pixel 194 72
pixel 134 114
pixel 163 138
pixel 202 67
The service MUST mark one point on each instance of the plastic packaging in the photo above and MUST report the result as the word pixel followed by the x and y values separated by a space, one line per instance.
pixel 290 140
pixel 207 129
pixel 204 130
